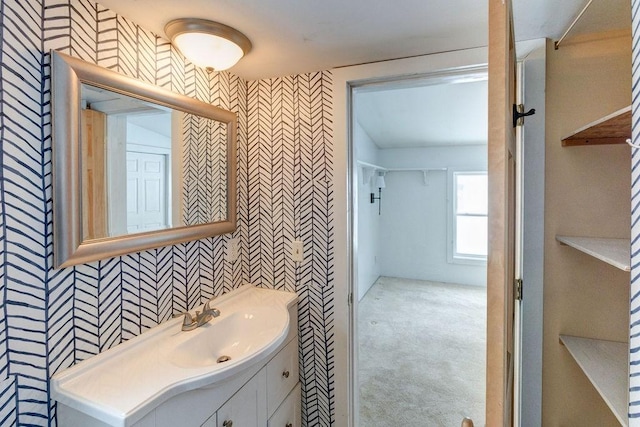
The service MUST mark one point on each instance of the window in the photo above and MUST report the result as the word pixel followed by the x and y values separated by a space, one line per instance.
pixel 468 228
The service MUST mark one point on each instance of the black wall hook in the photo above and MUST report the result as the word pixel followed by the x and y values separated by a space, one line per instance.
pixel 518 113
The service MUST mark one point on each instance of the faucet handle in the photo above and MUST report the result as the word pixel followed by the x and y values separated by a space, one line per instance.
pixel 189 323
pixel 214 312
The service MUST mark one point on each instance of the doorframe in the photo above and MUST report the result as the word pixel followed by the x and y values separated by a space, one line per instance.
pixel 343 183
pixel 436 77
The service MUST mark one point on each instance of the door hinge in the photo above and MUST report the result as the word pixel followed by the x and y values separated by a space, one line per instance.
pixel 518 289
pixel 350 298
pixel 519 114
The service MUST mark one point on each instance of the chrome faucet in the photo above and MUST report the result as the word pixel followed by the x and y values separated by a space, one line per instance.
pixel 208 313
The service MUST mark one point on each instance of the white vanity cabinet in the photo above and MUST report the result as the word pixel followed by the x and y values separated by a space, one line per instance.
pixel 248 407
pixel 268 398
pixel 283 389
pixel 282 375
pixel 140 384
pixel 245 408
pixel 289 414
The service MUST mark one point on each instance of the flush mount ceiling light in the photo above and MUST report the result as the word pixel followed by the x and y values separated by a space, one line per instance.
pixel 208 44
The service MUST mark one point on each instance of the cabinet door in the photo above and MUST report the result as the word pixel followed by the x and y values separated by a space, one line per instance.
pixel 289 414
pixel 282 375
pixel 211 422
pixel 246 408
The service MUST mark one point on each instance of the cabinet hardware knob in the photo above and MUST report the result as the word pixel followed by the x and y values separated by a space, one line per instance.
pixel 289 425
pixel 227 423
pixel 285 374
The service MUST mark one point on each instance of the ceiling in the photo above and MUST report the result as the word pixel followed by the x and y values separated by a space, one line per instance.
pixel 448 113
pixel 296 36
pixel 136 111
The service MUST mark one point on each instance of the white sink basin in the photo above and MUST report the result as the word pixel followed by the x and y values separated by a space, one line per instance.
pixel 125 383
pixel 237 337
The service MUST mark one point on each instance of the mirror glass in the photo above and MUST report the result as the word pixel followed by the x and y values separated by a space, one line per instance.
pixel 135 166
pixel 134 158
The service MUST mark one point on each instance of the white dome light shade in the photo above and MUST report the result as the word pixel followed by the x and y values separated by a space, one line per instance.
pixel 208 44
pixel 205 50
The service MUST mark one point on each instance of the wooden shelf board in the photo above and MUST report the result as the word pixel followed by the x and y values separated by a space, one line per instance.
pixel 616 252
pixel 612 129
pixel 605 363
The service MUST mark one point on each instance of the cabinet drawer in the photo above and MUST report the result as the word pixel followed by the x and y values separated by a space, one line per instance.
pixel 282 375
pixel 289 414
pixel 246 407
pixel 211 422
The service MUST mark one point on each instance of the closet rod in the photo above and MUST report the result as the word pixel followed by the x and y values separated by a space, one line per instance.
pixel 575 21
pixel 424 171
pixel 415 169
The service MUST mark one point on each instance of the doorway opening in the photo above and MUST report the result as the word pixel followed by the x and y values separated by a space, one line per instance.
pixel 419 249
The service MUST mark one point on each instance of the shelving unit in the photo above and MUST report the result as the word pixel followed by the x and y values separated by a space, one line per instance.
pixel 369 169
pixel 605 363
pixel 612 129
pixel 616 252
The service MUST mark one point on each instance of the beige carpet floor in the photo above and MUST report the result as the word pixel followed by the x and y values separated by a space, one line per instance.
pixel 421 354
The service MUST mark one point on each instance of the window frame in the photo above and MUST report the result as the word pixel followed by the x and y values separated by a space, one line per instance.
pixel 453 257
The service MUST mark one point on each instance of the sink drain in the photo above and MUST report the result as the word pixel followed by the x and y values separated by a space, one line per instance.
pixel 223 359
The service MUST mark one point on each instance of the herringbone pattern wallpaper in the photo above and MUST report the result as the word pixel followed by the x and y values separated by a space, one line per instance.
pixel 290 198
pixel 51 319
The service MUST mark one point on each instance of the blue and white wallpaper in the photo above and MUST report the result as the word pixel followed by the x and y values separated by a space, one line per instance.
pixel 51 319
pixel 204 159
pixel 290 198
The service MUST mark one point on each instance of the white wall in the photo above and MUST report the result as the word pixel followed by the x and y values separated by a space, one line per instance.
pixel 142 136
pixel 368 232
pixel 414 216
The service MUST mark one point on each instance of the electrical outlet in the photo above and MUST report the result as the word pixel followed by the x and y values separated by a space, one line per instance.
pixel 297 250
pixel 233 249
